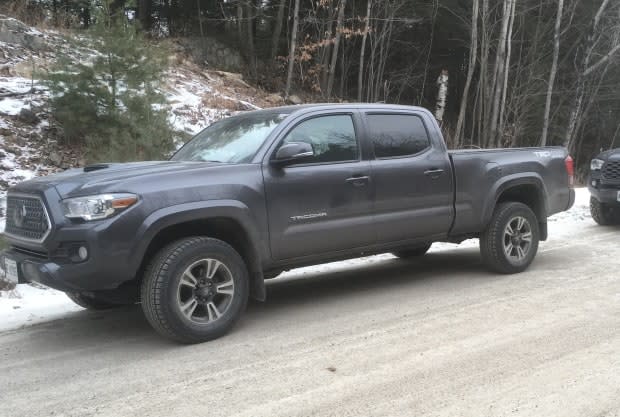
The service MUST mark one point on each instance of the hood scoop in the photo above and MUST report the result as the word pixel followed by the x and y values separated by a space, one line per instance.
pixel 95 167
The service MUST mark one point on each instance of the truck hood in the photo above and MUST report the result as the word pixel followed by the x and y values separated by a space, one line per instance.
pixel 611 155
pixel 103 177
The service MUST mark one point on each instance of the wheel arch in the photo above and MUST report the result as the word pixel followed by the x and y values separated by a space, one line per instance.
pixel 527 189
pixel 229 221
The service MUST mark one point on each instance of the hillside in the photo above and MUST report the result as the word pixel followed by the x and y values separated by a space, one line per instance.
pixel 29 146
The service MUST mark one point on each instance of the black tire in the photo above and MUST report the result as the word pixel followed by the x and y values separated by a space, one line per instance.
pixel 498 249
pixel 166 282
pixel 90 302
pixel 603 214
pixel 413 252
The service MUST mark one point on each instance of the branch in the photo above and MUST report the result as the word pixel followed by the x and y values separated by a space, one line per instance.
pixel 601 61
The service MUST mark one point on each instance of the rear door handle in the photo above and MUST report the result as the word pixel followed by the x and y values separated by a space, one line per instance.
pixel 434 173
pixel 359 180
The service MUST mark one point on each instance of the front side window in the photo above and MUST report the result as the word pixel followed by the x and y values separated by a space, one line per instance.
pixel 332 138
pixel 397 135
pixel 232 140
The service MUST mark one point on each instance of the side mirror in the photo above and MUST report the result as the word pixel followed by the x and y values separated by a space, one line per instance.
pixel 292 152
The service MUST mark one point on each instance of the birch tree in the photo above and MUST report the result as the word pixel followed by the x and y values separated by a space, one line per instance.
pixel 442 95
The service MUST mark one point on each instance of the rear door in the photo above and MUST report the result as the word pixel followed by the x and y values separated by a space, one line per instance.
pixel 412 175
pixel 324 204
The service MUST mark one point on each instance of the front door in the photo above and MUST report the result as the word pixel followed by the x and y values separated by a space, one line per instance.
pixel 325 203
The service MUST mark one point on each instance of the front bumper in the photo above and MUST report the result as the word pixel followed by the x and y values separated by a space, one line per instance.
pixel 83 276
pixel 605 193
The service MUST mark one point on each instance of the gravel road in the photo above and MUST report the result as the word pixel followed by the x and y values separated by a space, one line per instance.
pixel 437 337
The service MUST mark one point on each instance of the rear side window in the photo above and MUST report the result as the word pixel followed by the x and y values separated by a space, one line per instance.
pixel 332 138
pixel 395 135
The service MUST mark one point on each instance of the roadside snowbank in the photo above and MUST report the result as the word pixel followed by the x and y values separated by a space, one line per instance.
pixel 28 304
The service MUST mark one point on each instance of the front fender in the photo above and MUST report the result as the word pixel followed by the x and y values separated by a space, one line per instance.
pixel 199 210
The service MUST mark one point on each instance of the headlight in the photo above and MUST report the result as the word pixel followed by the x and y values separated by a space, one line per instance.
pixel 596 164
pixel 97 207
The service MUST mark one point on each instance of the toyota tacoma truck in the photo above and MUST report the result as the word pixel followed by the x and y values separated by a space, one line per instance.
pixel 192 238
pixel 604 186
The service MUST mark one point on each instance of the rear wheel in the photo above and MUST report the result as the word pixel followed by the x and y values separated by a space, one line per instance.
pixel 413 252
pixel 603 214
pixel 195 290
pixel 91 302
pixel 510 242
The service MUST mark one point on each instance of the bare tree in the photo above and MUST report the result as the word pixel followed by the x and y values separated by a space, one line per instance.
pixel 334 60
pixel 585 69
pixel 499 72
pixel 360 74
pixel 291 55
pixel 473 54
pixel 552 75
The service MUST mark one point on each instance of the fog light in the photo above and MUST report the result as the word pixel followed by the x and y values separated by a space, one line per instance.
pixel 83 253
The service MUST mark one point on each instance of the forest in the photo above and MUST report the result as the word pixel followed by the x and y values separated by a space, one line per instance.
pixel 496 73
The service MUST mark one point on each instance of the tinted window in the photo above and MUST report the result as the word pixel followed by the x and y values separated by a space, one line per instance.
pixel 397 134
pixel 332 138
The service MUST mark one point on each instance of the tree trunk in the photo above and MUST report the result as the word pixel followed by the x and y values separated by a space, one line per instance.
pixel 275 37
pixel 498 73
pixel 442 95
pixel 473 51
pixel 334 60
pixel 291 55
pixel 502 109
pixel 240 21
pixel 250 38
pixel 552 75
pixel 144 14
pixel 360 74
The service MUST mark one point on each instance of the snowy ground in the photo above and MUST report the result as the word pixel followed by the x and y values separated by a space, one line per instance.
pixel 28 305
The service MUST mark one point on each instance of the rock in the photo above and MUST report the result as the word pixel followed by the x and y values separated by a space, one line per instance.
pixel 274 99
pixel 55 158
pixel 294 99
pixel 28 116
pixel 15 32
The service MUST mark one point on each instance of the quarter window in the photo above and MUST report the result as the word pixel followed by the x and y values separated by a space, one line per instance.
pixel 395 135
pixel 332 138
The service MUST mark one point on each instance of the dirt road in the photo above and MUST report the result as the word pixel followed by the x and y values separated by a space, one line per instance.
pixel 438 337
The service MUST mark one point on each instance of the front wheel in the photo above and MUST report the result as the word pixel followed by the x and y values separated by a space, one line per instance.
pixel 603 214
pixel 195 290
pixel 510 242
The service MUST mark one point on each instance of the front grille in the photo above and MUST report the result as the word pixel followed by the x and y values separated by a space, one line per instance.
pixel 26 218
pixel 611 170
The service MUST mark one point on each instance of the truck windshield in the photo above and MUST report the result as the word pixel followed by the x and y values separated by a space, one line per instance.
pixel 232 140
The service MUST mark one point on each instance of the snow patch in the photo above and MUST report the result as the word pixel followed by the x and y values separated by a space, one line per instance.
pixel 28 304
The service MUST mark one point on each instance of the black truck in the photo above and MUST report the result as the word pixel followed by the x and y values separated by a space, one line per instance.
pixel 266 191
pixel 604 186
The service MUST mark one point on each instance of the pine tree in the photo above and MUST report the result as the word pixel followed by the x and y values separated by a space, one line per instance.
pixel 111 102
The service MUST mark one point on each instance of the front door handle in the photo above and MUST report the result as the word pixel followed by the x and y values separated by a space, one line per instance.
pixel 358 180
pixel 434 173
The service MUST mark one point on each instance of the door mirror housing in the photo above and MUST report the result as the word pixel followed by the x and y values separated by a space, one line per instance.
pixel 293 152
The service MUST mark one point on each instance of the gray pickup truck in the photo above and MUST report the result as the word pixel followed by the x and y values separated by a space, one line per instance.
pixel 266 191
